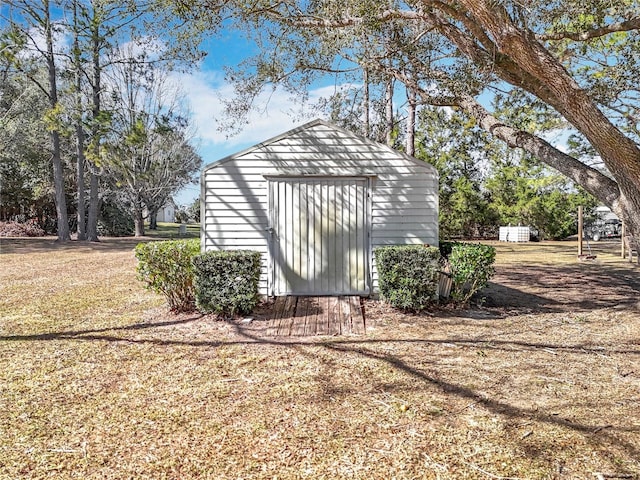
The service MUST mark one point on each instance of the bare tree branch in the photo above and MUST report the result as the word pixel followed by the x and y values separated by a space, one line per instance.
pixel 626 26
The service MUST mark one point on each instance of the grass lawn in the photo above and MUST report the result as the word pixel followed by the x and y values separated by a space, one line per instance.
pixel 172 230
pixel 99 381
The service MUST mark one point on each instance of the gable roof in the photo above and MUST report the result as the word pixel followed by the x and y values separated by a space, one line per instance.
pixel 308 126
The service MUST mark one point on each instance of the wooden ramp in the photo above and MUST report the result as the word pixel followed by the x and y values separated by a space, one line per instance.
pixel 305 316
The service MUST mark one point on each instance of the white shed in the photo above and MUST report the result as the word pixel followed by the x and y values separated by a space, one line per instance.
pixel 167 213
pixel 316 201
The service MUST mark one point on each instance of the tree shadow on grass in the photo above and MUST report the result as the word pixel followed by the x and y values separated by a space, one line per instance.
pixel 250 337
pixel 430 377
pixel 49 245
pixel 498 407
pixel 93 334
pixel 562 288
pixel 370 349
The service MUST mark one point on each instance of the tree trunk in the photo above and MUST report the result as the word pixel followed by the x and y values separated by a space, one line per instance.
pixel 94 208
pixel 82 233
pixel 153 219
pixel 138 220
pixel 365 104
pixel 81 210
pixel 94 195
pixel 411 122
pixel 388 104
pixel 58 182
pixel 56 158
pixel 628 209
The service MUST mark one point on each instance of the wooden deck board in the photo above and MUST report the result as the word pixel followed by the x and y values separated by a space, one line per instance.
pixel 311 323
pixel 322 319
pixel 308 316
pixel 300 317
pixel 345 314
pixel 276 315
pixel 357 319
pixel 287 318
pixel 333 314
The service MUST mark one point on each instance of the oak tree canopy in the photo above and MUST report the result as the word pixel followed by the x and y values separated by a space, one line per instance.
pixel 562 64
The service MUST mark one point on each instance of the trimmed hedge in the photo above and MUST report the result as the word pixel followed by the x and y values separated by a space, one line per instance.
pixel 447 247
pixel 471 268
pixel 408 275
pixel 227 281
pixel 166 267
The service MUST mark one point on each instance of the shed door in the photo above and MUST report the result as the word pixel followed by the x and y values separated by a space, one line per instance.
pixel 319 242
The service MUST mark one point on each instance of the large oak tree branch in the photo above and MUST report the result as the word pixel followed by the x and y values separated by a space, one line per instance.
pixel 595 182
pixel 626 26
pixel 592 180
pixel 486 33
pixel 343 21
pixel 620 154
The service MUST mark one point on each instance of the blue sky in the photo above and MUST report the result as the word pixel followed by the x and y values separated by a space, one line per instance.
pixel 205 87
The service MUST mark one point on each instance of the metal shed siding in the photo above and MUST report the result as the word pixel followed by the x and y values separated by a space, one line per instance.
pixel 235 203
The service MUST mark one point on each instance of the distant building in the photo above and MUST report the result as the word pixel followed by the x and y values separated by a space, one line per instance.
pixel 167 214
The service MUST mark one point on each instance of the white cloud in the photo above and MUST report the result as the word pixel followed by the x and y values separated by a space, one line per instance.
pixel 275 110
pixel 205 91
pixel 146 45
pixel 559 138
pixel 37 43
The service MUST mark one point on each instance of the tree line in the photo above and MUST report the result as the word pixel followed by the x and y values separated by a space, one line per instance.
pixel 89 116
pixel 518 72
pixel 566 65
pixel 484 183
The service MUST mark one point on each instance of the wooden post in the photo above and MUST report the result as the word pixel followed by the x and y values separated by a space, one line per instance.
pixel 580 230
pixel 623 253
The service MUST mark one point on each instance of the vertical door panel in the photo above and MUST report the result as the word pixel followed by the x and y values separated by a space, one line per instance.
pixel 319 243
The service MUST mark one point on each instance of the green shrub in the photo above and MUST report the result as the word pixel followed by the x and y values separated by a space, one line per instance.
pixel 167 268
pixel 471 268
pixel 114 221
pixel 227 281
pixel 447 247
pixel 29 228
pixel 408 275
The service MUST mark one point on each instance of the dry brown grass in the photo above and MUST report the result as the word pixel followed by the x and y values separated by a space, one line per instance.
pixel 97 380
